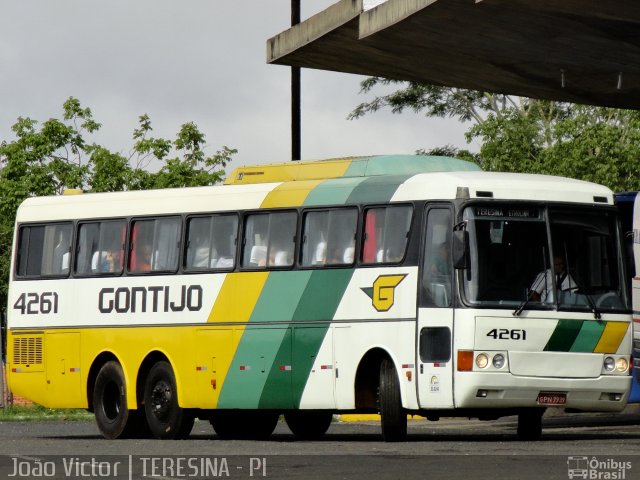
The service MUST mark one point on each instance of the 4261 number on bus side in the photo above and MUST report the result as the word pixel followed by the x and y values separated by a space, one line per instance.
pixel 507 334
pixel 37 303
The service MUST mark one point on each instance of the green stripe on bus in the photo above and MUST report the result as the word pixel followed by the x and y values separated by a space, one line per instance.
pixel 318 303
pixel 270 306
pixel 257 353
pixel 414 164
pixel 259 350
pixel 276 392
pixel 322 294
pixel 589 336
pixel 358 167
pixel 563 336
pixel 376 189
pixel 332 192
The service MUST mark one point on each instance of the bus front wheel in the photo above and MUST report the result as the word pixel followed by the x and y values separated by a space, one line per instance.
pixel 308 425
pixel 113 417
pixel 165 417
pixel 393 416
pixel 530 424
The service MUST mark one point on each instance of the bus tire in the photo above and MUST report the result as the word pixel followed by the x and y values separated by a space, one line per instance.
pixel 244 424
pixel 113 417
pixel 308 425
pixel 393 416
pixel 530 424
pixel 223 424
pixel 166 419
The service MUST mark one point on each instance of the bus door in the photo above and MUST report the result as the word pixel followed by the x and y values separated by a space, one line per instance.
pixel 434 334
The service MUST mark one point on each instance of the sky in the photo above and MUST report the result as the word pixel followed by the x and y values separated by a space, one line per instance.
pixel 191 60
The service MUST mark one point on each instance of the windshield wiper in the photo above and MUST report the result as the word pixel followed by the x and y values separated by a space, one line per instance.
pixel 596 313
pixel 523 305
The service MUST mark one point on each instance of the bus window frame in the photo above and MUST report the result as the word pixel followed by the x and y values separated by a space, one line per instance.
pixel 300 237
pixel 361 234
pixel 184 247
pixel 455 294
pixel 545 207
pixel 129 245
pixel 76 231
pixel 15 275
pixel 244 215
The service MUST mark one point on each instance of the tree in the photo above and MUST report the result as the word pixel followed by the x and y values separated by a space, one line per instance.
pixel 48 158
pixel 527 135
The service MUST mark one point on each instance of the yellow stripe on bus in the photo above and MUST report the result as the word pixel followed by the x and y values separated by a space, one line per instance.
pixel 235 303
pixel 290 171
pixel 237 297
pixel 291 194
pixel 612 337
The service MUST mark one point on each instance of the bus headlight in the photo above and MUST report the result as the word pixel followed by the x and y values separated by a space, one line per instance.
pixel 609 364
pixel 622 365
pixel 498 360
pixel 482 360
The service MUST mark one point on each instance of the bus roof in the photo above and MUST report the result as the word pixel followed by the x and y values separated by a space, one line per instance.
pixel 349 167
pixel 337 191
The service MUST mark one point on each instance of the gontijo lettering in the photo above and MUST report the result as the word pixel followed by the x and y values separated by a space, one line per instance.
pixel 150 299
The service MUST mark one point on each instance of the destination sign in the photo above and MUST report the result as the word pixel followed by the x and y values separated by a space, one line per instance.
pixel 506 212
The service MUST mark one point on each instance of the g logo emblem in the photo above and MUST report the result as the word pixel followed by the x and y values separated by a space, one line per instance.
pixel 382 293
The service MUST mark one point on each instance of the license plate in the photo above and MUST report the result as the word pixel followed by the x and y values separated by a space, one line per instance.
pixel 552 398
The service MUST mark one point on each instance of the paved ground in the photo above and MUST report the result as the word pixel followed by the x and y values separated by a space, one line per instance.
pixel 450 448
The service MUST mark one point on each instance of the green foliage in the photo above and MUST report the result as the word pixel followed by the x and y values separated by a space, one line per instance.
pixel 517 134
pixel 38 413
pixel 49 157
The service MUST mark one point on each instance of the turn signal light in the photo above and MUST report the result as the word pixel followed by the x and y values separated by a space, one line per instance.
pixel 465 360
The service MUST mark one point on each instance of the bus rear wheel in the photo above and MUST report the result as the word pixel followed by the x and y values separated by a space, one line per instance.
pixel 244 424
pixel 165 417
pixel 530 424
pixel 393 416
pixel 113 417
pixel 308 425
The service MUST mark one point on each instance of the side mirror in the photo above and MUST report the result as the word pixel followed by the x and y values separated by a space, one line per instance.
pixel 460 249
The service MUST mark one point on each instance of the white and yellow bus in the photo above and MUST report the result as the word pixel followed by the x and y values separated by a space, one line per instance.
pixel 399 285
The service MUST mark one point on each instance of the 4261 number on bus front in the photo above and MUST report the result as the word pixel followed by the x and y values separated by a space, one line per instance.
pixel 37 303
pixel 506 334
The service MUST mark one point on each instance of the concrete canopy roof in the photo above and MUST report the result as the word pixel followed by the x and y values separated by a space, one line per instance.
pixel 583 51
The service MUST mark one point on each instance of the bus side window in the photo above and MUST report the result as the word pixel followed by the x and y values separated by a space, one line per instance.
pixel 436 268
pixel 100 247
pixel 44 250
pixel 282 234
pixel 386 234
pixel 211 242
pixel 269 240
pixel 155 245
pixel 329 237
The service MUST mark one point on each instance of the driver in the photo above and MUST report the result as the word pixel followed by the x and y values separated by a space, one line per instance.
pixel 542 286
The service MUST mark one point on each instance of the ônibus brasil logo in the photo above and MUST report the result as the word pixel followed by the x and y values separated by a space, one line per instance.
pixel 382 293
pixel 597 469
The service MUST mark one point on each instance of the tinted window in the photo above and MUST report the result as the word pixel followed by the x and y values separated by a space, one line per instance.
pixel 211 242
pixel 44 250
pixel 100 247
pixel 329 237
pixel 386 230
pixel 269 240
pixel 154 245
pixel 437 269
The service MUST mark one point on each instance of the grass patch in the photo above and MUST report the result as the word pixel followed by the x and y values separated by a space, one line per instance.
pixel 22 413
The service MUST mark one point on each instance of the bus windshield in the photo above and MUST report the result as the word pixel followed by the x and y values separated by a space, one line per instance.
pixel 549 257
